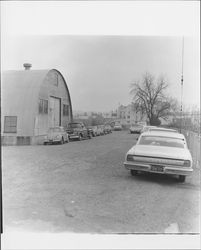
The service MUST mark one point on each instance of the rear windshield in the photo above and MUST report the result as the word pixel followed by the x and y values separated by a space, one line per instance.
pixel 162 141
pixel 162 130
pixel 74 125
pixel 55 130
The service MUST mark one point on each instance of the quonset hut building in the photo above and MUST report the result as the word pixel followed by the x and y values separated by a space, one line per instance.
pixel 32 102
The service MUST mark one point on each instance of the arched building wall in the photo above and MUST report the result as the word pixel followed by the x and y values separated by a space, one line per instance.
pixel 53 88
pixel 23 95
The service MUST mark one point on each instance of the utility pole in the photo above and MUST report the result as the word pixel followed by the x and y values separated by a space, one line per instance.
pixel 182 81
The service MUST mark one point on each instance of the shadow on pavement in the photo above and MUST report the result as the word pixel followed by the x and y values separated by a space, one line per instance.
pixel 165 180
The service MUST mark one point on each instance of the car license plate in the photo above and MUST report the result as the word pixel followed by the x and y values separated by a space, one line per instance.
pixel 157 168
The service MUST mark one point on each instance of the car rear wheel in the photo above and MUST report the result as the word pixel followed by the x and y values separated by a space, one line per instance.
pixel 134 172
pixel 62 140
pixel 182 178
pixel 80 137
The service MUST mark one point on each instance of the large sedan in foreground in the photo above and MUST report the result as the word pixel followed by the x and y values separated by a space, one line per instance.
pixel 160 152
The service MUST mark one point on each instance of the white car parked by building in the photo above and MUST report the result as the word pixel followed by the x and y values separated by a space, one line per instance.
pixel 56 135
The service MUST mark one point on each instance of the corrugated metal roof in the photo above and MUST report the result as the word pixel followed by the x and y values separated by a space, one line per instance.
pixel 20 91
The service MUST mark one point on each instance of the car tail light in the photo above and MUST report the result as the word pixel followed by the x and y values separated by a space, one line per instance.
pixel 187 163
pixel 129 158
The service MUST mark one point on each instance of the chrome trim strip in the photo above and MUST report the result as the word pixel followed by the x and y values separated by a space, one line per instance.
pixel 167 169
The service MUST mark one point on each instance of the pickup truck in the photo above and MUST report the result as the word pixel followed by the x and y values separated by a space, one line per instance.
pixel 77 130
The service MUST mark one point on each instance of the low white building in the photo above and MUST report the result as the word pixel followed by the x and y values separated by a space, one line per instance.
pixel 128 115
pixel 110 115
pixel 80 115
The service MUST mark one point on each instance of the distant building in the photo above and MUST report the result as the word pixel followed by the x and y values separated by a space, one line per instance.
pixel 110 115
pixel 32 102
pixel 83 115
pixel 80 115
pixel 129 114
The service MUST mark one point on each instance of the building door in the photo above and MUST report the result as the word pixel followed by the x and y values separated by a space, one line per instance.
pixel 55 112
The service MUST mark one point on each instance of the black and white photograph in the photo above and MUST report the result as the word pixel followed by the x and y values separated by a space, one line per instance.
pixel 100 124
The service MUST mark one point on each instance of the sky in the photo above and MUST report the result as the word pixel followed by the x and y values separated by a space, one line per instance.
pixel 100 63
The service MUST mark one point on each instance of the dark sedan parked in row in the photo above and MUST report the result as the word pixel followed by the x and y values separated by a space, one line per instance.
pixel 77 130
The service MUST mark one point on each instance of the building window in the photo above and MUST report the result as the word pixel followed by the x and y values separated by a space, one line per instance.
pixel 43 106
pixel 65 110
pixel 10 124
pixel 40 106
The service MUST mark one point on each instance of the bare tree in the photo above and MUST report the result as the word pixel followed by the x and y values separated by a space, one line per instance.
pixel 149 96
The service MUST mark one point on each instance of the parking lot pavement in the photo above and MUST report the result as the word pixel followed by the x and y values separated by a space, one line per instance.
pixel 83 187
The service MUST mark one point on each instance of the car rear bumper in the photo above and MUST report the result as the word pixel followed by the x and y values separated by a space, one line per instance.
pixel 52 140
pixel 174 170
pixel 73 136
pixel 135 131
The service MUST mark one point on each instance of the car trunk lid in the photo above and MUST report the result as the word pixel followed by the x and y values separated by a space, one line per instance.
pixel 161 152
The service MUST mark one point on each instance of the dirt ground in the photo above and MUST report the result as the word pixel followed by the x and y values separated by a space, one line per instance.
pixel 84 187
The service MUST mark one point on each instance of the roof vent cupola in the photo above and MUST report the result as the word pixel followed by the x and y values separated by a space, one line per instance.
pixel 27 66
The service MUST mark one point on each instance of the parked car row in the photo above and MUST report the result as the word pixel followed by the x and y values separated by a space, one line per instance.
pixel 160 150
pixel 75 130
pixel 100 130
